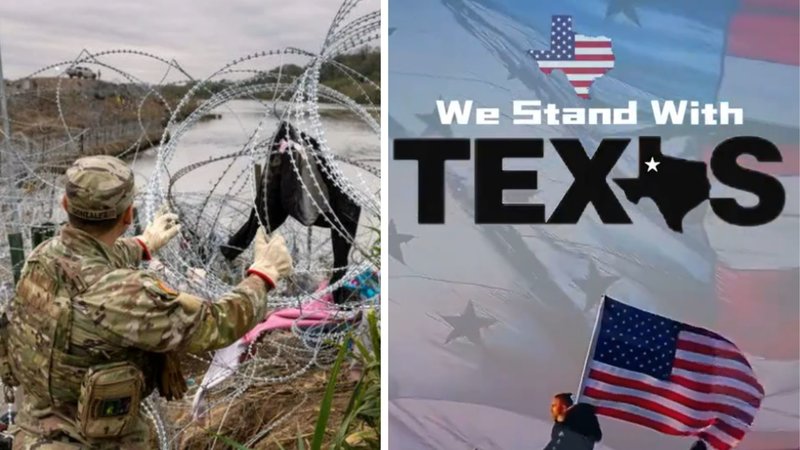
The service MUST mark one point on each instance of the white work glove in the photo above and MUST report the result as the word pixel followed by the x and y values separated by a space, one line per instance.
pixel 271 260
pixel 161 230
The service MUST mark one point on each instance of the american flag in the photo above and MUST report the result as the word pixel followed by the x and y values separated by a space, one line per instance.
pixel 582 58
pixel 669 376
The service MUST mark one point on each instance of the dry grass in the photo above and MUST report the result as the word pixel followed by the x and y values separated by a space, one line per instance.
pixel 85 104
pixel 291 409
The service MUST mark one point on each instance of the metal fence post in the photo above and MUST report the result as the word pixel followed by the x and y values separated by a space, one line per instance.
pixel 17 249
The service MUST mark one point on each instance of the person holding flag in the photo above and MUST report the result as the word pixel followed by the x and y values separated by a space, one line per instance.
pixel 669 376
pixel 579 430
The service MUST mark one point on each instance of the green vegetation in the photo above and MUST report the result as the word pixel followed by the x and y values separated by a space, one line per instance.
pixel 360 427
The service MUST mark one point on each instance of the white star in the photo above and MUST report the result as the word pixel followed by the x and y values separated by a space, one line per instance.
pixel 652 164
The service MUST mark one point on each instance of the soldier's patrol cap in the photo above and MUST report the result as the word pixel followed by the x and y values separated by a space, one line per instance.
pixel 99 187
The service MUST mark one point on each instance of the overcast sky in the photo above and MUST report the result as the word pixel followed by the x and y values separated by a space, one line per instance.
pixel 202 35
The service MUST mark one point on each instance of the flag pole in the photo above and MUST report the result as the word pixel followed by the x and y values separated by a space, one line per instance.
pixel 6 138
pixel 592 345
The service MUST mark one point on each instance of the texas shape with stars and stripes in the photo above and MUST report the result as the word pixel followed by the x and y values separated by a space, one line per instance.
pixel 583 59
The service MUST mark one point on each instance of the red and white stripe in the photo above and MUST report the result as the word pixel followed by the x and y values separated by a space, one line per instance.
pixel 757 272
pixel 712 392
pixel 761 61
pixel 593 58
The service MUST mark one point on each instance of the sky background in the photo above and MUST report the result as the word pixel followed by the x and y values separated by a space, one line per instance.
pixel 489 321
pixel 202 35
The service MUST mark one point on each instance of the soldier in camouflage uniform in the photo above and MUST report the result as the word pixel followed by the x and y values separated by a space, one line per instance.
pixel 89 335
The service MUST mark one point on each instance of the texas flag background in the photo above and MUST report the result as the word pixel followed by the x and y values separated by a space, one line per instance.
pixel 487 322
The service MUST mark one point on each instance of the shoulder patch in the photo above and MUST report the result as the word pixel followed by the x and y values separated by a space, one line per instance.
pixel 161 284
pixel 159 287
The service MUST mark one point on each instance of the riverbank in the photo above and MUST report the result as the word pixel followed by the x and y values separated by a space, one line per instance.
pixel 55 121
pixel 58 120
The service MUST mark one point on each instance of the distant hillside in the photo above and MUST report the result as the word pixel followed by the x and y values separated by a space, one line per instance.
pixel 111 118
pixel 33 105
pixel 366 61
pixel 102 117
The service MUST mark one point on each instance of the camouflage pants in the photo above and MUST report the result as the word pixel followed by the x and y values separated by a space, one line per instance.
pixel 27 441
pixel 140 439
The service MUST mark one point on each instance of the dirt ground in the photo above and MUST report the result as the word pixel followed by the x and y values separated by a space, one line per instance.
pixel 290 408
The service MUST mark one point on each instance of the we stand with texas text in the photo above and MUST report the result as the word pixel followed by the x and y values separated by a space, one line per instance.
pixel 530 112
pixel 675 185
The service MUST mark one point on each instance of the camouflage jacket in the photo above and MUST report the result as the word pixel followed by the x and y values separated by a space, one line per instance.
pixel 80 303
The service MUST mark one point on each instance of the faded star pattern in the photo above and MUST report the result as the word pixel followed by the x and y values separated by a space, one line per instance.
pixel 468 325
pixel 624 8
pixel 433 126
pixel 396 240
pixel 595 285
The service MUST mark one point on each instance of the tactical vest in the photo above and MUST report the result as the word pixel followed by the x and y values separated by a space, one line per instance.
pixel 51 343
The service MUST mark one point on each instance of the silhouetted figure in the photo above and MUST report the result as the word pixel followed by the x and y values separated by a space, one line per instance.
pixel 580 429
pixel 308 196
pixel 558 408
pixel 699 445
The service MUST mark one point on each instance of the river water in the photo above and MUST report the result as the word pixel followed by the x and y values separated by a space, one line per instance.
pixel 239 119
pixel 346 136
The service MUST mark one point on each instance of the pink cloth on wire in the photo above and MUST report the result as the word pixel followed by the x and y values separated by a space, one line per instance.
pixel 314 312
pixel 226 361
